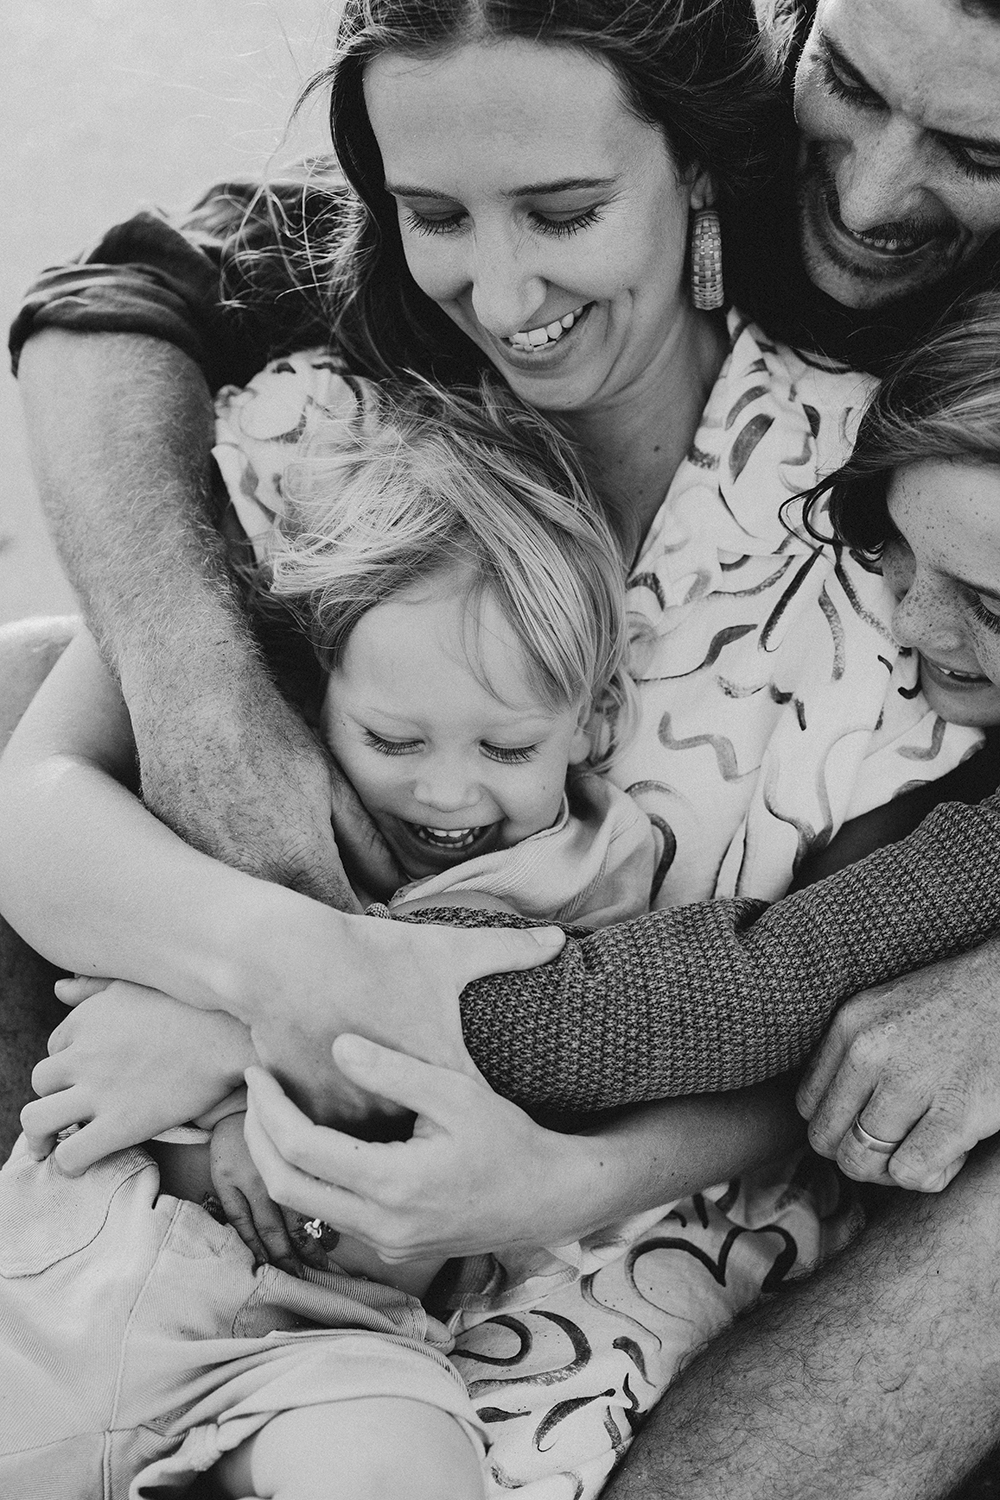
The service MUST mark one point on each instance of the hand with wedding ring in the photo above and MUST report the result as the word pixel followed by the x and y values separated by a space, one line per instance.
pixel 907 1079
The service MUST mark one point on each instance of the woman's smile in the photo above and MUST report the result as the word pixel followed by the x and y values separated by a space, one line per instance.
pixel 539 212
pixel 944 565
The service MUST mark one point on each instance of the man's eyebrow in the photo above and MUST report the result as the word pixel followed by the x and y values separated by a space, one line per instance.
pixel 844 63
pixel 947 137
pixel 528 189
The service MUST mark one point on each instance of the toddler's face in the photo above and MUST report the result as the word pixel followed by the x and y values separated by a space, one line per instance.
pixel 944 565
pixel 447 767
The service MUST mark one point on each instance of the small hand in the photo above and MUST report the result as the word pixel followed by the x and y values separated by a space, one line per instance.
pixel 918 1060
pixel 476 1174
pixel 246 1203
pixel 126 1063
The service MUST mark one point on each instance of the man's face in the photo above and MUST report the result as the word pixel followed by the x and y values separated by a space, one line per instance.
pixel 898 102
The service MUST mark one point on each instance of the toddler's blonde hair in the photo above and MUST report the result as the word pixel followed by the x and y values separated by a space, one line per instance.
pixel 425 481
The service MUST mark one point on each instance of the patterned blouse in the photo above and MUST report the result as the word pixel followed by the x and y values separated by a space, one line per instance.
pixel 774 702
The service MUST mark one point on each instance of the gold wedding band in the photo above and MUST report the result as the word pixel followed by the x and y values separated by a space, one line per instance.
pixel 872 1142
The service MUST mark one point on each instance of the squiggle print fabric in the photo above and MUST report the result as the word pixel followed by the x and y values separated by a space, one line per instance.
pixel 775 705
pixel 775 702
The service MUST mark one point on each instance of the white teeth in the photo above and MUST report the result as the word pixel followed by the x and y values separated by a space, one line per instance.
pixel 448 838
pixel 537 338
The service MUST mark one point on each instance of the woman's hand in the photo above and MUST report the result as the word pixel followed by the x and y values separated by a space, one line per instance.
pixel 315 974
pixel 477 1173
pixel 917 1060
pixel 127 1063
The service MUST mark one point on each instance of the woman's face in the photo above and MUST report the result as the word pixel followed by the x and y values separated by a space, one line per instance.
pixel 944 565
pixel 546 220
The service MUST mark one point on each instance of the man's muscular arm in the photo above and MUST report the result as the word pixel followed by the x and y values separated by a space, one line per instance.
pixel 121 428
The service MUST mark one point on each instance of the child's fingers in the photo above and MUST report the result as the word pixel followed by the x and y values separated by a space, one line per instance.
pixel 239 1216
pixel 42 1121
pixel 273 1233
pixel 80 987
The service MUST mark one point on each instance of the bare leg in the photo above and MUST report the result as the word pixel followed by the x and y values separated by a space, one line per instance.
pixel 876 1379
pixel 372 1449
pixel 28 1009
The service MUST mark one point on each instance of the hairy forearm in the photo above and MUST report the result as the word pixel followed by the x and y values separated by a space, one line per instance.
pixel 120 429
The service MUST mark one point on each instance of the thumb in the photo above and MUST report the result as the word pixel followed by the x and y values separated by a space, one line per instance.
pixel 80 987
pixel 416 1085
pixel 497 950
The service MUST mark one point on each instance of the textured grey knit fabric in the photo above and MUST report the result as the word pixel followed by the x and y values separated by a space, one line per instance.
pixel 725 993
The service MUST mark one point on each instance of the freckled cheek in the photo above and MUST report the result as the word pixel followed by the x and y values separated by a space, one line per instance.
pixel 988 654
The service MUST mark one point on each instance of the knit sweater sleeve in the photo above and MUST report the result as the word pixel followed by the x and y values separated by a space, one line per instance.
pixel 722 994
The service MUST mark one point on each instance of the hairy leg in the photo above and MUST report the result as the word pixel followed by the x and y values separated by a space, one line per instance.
pixel 381 1448
pixel 28 1009
pixel 876 1379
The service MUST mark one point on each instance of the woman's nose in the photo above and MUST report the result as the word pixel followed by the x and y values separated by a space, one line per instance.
pixel 924 619
pixel 879 176
pixel 506 289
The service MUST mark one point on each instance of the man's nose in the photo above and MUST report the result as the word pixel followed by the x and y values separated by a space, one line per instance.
pixel 880 176
pixel 507 289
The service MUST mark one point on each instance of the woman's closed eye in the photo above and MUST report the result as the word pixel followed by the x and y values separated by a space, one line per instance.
pixel 551 224
pixel 987 617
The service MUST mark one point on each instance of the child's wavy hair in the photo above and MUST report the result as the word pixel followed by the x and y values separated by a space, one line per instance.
pixel 425 481
pixel 940 402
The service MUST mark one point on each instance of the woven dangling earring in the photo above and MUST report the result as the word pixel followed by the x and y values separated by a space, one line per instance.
pixel 706 260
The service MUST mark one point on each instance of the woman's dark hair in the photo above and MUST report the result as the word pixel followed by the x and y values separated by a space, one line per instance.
pixel 695 68
pixel 939 402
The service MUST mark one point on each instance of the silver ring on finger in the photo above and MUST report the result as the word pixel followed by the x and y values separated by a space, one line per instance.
pixel 872 1142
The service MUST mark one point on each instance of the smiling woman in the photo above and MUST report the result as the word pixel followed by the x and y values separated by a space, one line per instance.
pixel 520 193
pixel 920 496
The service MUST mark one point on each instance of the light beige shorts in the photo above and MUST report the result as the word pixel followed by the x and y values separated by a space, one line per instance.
pixel 138 1342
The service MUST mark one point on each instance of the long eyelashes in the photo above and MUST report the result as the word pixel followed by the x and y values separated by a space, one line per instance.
pixel 510 755
pixel 389 747
pixel 557 228
pixel 507 755
pixel 983 615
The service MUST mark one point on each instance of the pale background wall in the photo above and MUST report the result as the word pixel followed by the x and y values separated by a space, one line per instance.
pixel 106 105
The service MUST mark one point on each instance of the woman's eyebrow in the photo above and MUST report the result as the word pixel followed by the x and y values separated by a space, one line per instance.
pixel 559 185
